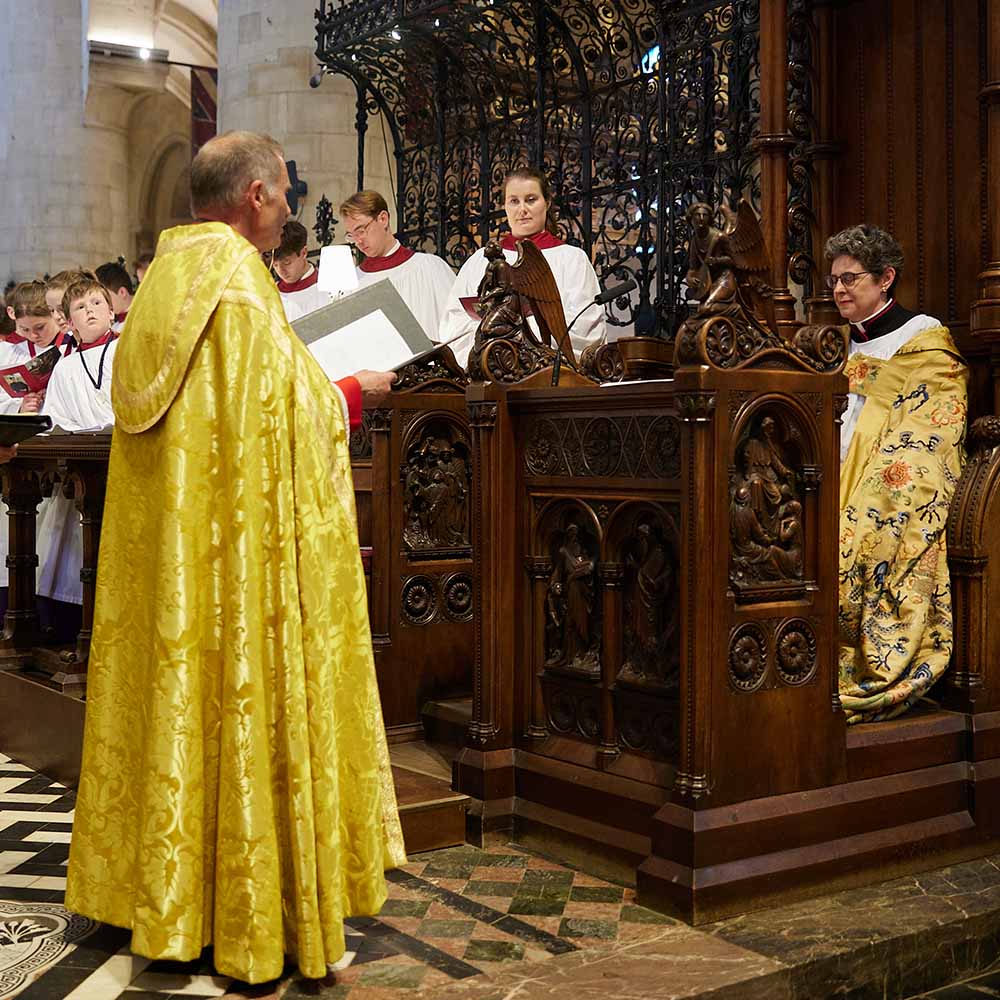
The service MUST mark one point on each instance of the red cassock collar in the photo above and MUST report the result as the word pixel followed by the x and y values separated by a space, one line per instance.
pixel 106 339
pixel 399 256
pixel 63 340
pixel 543 240
pixel 301 285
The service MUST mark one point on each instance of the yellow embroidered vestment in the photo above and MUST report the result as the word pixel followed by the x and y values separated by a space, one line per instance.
pixel 897 480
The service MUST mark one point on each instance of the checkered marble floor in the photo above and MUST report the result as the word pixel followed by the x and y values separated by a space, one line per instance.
pixel 451 915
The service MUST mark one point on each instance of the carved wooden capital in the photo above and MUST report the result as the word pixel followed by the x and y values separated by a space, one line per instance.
pixel 537 567
pixel 482 414
pixel 612 575
pixel 696 407
pixel 380 420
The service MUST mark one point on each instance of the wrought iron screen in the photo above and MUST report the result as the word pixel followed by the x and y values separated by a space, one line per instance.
pixel 634 108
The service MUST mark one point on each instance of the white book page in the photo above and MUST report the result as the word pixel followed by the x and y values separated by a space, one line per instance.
pixel 371 342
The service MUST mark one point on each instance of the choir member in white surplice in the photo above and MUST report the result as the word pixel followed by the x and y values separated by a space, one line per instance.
pixel 77 398
pixel 57 530
pixel 528 204
pixel 423 280
pixel 297 277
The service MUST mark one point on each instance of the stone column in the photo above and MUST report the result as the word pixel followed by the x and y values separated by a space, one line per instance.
pixel 266 59
pixel 64 197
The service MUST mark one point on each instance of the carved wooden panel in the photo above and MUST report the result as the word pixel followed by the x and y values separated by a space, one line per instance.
pixel 572 708
pixel 640 447
pixel 766 509
pixel 648 724
pixel 650 609
pixel 572 598
pixel 436 476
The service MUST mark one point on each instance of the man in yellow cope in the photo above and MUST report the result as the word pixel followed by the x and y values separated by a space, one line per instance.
pixel 235 788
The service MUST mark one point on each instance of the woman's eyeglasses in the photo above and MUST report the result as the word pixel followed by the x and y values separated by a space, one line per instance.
pixel 846 279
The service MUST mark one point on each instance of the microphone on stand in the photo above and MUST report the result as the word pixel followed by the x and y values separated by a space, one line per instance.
pixel 601 299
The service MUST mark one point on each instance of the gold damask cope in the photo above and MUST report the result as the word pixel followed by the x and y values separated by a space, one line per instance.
pixel 235 788
pixel 904 461
pixel 163 330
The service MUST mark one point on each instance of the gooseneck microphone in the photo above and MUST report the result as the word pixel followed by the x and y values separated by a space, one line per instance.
pixel 601 299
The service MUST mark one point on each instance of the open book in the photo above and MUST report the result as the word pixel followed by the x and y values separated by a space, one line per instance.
pixel 371 328
pixel 32 376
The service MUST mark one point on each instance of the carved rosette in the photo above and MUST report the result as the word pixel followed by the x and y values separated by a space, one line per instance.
pixel 457 590
pixel 747 657
pixel 419 600
pixel 795 652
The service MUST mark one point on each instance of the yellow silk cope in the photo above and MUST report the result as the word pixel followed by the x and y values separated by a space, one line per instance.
pixel 896 484
pixel 236 788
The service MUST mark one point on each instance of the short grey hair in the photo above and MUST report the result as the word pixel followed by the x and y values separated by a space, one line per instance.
pixel 872 246
pixel 227 165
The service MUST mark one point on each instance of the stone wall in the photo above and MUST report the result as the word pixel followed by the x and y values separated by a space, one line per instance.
pixel 266 58
pixel 63 192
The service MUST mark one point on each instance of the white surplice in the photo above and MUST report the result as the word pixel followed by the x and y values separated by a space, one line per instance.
pixel 423 281
pixel 75 404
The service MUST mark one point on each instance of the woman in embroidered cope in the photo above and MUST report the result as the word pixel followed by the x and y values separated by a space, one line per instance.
pixel 901 457
pixel 529 207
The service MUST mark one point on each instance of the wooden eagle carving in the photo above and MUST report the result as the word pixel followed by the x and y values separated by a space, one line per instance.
pixel 509 292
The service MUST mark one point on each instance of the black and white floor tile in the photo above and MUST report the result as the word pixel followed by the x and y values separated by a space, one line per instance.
pixel 48 953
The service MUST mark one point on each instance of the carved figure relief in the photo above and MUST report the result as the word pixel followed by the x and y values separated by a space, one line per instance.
pixel 436 483
pixel 765 511
pixel 701 248
pixel 572 630
pixel 650 610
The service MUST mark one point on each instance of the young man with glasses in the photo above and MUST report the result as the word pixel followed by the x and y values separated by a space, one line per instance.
pixel 423 280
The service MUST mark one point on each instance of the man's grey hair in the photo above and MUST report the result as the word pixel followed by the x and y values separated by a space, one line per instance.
pixel 227 165
pixel 872 246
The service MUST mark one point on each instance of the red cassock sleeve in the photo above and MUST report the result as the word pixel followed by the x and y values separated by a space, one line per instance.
pixel 351 388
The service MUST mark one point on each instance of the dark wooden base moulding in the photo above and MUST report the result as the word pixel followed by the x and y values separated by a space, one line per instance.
pixel 922 793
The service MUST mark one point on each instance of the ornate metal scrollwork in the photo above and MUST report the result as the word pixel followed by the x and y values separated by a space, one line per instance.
pixel 633 109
